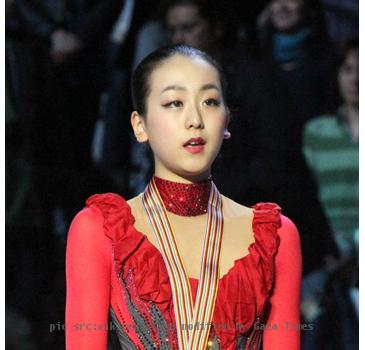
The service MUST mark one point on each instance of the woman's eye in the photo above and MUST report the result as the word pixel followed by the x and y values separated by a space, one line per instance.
pixel 173 104
pixel 212 102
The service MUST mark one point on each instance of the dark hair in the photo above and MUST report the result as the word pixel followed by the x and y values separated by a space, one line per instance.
pixel 140 78
pixel 333 97
pixel 344 48
pixel 220 14
pixel 206 10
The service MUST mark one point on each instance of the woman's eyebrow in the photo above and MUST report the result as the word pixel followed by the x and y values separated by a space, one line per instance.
pixel 173 87
pixel 182 88
pixel 210 86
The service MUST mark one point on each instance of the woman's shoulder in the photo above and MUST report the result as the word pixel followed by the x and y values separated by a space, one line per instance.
pixel 135 201
pixel 86 231
pixel 87 219
pixel 96 208
pixel 108 212
pixel 110 204
pixel 288 232
pixel 107 201
pixel 233 209
pixel 261 210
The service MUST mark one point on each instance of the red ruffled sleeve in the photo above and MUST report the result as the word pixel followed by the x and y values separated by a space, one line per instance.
pixel 118 225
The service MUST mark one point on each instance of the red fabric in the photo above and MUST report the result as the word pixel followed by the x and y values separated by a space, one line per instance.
pixel 103 241
pixel 88 266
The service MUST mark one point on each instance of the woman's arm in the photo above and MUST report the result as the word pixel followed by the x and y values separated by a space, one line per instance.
pixel 88 264
pixel 283 326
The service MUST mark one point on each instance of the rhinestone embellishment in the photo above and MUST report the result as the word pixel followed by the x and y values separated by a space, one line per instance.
pixel 184 199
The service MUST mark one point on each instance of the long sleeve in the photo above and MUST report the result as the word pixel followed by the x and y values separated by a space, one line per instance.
pixel 283 326
pixel 88 268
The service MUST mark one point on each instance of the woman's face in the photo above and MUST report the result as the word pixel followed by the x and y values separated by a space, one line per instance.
pixel 186 26
pixel 348 78
pixel 186 118
pixel 287 15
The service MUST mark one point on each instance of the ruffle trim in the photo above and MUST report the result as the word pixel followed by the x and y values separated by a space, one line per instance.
pixel 151 276
pixel 265 225
pixel 118 225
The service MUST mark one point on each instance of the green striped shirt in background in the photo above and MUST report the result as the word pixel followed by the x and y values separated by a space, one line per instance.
pixel 334 160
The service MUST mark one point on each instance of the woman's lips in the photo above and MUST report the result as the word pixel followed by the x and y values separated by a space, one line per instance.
pixel 194 145
pixel 194 149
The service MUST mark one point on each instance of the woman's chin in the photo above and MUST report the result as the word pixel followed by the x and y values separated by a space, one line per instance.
pixel 195 174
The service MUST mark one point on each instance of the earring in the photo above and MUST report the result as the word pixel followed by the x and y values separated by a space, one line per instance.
pixel 226 135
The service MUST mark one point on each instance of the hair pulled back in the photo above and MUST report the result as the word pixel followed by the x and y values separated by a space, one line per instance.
pixel 140 79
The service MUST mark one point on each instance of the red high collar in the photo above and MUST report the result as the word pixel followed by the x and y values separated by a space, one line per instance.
pixel 184 199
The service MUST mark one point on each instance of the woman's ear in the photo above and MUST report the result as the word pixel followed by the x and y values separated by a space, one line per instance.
pixel 227 134
pixel 138 125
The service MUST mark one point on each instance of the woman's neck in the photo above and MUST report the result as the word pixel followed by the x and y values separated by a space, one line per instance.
pixel 184 199
pixel 186 179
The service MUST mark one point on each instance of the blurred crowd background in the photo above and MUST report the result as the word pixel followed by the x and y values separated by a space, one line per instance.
pixel 292 73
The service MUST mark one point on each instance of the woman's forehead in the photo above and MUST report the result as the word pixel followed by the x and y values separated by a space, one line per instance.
pixel 183 70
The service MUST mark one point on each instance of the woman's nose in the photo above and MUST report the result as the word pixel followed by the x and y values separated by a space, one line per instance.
pixel 194 118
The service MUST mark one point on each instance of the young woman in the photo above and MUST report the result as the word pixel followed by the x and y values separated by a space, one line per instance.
pixel 180 266
pixel 331 147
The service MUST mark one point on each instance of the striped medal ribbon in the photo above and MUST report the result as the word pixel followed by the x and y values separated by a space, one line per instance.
pixel 193 325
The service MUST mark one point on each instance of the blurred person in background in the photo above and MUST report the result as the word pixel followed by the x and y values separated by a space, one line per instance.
pixel 300 60
pixel 202 25
pixel 295 44
pixel 331 147
pixel 300 57
pixel 68 67
pixel 55 70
